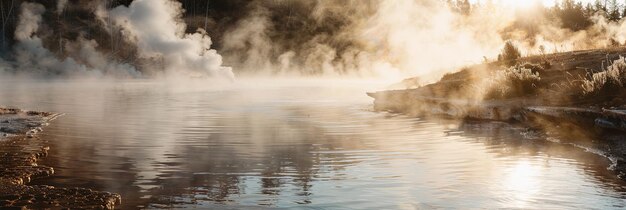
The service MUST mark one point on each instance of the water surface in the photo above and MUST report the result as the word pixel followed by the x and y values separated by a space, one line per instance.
pixel 307 144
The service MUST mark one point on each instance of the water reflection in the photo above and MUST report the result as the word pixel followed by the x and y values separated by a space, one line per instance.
pixel 299 146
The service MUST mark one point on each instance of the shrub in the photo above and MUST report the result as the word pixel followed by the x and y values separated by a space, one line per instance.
pixel 513 82
pixel 509 54
pixel 607 81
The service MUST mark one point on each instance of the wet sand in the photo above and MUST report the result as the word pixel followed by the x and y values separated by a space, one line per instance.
pixel 20 149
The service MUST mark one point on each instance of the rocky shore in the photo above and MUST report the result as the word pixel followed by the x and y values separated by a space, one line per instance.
pixel 20 148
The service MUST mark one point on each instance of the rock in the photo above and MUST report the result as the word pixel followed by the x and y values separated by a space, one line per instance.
pixel 19 151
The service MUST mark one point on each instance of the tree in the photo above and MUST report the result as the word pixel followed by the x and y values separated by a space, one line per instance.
pixel 5 20
pixel 600 8
pixel 590 10
pixel 624 12
pixel 509 54
pixel 614 13
pixel 464 7
pixel 572 15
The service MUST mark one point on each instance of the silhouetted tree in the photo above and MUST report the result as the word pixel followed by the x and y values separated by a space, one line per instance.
pixel 509 54
pixel 572 15
pixel 614 11
pixel 600 8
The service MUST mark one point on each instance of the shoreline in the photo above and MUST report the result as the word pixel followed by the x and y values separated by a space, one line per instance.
pixel 20 150
pixel 597 130
pixel 566 96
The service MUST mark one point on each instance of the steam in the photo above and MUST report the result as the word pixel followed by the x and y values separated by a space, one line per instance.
pixel 384 39
pixel 395 39
pixel 437 39
pixel 86 52
pixel 61 6
pixel 30 55
pixel 360 38
pixel 83 59
pixel 156 28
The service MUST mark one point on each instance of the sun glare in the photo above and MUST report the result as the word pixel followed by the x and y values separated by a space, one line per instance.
pixel 522 4
pixel 523 182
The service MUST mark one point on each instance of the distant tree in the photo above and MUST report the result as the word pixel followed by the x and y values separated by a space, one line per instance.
pixel 572 15
pixel 6 11
pixel 624 12
pixel 600 8
pixel 590 10
pixel 614 11
pixel 509 54
pixel 464 7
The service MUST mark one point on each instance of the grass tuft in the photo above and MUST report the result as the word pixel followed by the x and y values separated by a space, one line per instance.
pixel 513 82
pixel 608 81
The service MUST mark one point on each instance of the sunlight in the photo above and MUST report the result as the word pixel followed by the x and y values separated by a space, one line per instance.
pixel 522 181
pixel 524 4
pixel 521 4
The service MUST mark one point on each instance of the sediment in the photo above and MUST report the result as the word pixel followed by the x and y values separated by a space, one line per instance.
pixel 20 149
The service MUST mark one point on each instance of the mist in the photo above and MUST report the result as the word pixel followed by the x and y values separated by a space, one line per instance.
pixel 220 39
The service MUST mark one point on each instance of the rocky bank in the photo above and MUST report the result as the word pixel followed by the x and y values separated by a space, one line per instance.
pixel 20 148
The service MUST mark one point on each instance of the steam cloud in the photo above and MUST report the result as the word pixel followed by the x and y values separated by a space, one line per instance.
pixel 155 27
pixel 158 31
pixel 30 55
pixel 368 38
pixel 61 6
pixel 400 38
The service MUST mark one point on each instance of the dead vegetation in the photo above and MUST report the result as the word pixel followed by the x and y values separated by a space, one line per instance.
pixel 577 79
pixel 516 81
pixel 607 81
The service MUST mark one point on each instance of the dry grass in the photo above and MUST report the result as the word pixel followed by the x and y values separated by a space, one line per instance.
pixel 512 82
pixel 608 81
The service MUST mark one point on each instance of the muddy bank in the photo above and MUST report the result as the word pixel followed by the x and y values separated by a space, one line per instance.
pixel 542 93
pixel 20 148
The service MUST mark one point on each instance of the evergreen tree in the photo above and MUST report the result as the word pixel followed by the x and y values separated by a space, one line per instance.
pixel 614 11
pixel 624 10
pixel 600 8
pixel 572 15
pixel 590 10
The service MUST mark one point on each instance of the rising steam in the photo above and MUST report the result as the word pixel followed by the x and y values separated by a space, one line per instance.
pixel 400 38
pixel 156 28
pixel 365 38
pixel 30 55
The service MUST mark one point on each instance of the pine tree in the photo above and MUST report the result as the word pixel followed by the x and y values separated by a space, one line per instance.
pixel 624 10
pixel 590 10
pixel 600 8
pixel 614 13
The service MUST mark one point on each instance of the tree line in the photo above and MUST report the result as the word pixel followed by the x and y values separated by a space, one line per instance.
pixel 572 14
